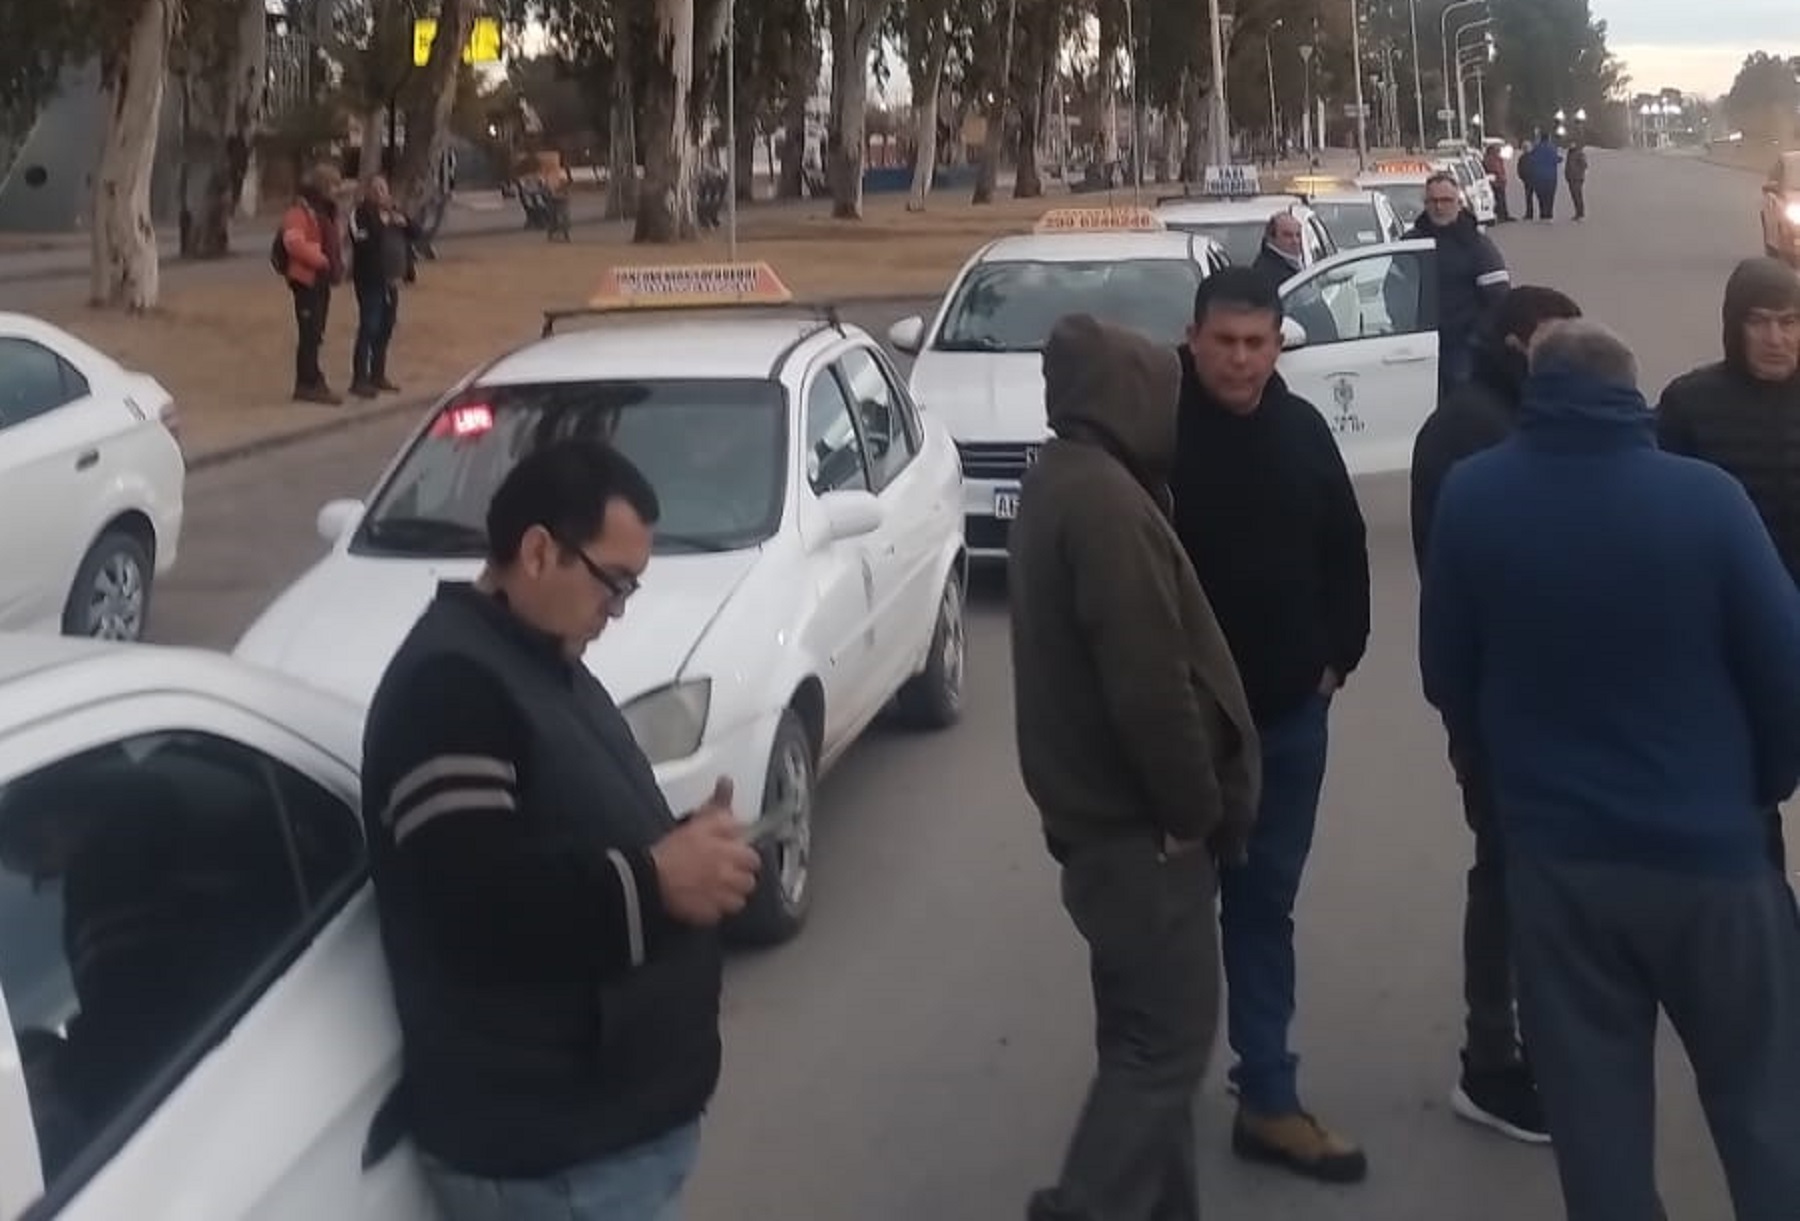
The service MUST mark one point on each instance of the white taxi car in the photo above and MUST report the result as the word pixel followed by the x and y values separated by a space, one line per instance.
pixel 198 1021
pixel 1233 210
pixel 1358 218
pixel 979 367
pixel 1462 162
pixel 91 485
pixel 809 568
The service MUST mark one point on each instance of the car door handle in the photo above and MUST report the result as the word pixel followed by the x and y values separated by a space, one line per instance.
pixel 86 459
pixel 1406 358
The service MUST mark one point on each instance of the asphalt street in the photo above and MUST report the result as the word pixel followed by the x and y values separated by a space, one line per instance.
pixel 921 1050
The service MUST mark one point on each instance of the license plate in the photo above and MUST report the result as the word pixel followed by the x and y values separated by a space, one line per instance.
pixel 1006 504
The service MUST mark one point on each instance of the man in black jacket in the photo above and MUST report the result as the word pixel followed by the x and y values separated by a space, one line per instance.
pixel 1743 413
pixel 1265 510
pixel 548 923
pixel 1283 252
pixel 1495 1086
pixel 1471 276
pixel 380 243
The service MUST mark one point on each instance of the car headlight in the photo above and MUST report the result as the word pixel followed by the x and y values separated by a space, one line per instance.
pixel 1793 213
pixel 669 721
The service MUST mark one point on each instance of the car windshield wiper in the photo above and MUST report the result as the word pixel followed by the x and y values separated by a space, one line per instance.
pixel 973 343
pixel 425 536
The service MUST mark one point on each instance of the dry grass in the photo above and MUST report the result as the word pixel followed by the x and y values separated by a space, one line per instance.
pixel 225 348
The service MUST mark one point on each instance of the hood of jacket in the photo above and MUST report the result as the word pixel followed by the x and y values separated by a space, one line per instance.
pixel 1755 284
pixel 1113 386
pixel 1568 410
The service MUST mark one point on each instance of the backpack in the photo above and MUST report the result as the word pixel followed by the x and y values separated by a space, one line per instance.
pixel 278 254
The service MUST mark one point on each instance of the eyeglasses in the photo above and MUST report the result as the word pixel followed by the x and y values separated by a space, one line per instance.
pixel 619 586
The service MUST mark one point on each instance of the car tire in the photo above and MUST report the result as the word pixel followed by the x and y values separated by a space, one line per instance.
pixel 778 908
pixel 110 599
pixel 933 698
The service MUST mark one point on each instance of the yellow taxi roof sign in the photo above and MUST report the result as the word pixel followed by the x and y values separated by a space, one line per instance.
pixel 1404 167
pixel 1314 184
pixel 689 285
pixel 1123 219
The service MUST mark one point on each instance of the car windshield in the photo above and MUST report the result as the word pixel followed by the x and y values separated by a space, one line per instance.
pixel 1242 239
pixel 714 450
pixel 1408 199
pixel 1010 306
pixel 1351 224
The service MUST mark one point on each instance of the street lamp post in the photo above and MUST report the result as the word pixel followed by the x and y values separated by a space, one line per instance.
pixel 1356 64
pixel 1274 108
pixel 1306 53
pixel 1462 99
pixel 731 183
pixel 1444 46
pixel 1221 116
pixel 1412 7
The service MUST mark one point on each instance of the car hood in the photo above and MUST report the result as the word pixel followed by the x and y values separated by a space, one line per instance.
pixel 338 626
pixel 983 396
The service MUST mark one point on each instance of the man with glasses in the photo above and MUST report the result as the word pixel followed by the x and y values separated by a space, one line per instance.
pixel 1471 277
pixel 549 924
pixel 1743 413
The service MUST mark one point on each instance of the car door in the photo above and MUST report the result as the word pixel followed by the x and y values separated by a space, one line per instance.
pixel 906 592
pixel 1369 361
pixel 841 633
pixel 193 973
pixel 49 429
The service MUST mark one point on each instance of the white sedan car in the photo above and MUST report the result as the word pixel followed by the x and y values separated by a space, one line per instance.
pixel 809 568
pixel 91 485
pixel 199 1025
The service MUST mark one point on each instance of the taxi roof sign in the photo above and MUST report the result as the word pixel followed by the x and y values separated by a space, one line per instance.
pixel 1231 180
pixel 1403 167
pixel 1315 184
pixel 689 286
pixel 1122 219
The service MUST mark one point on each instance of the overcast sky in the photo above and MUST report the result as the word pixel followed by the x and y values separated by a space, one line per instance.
pixel 1696 47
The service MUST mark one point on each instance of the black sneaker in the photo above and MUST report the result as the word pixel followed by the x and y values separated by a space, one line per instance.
pixel 1505 1100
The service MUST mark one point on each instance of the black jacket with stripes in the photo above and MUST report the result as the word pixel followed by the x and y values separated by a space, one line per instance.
pixel 553 1012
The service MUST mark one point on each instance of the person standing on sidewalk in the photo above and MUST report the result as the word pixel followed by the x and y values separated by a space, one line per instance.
pixel 313 261
pixel 380 240
pixel 1493 163
pixel 1743 414
pixel 549 924
pixel 1614 628
pixel 1575 172
pixel 1495 1086
pixel 1265 510
pixel 1137 746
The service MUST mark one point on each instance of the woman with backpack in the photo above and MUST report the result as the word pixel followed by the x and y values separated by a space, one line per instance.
pixel 308 252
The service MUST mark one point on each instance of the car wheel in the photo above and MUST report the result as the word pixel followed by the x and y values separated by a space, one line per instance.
pixel 783 895
pixel 110 599
pixel 933 698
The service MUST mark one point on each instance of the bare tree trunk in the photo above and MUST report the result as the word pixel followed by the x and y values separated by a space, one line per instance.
pixel 1193 109
pixel 374 140
pixel 1168 159
pixel 622 150
pixel 1106 113
pixel 125 271
pixel 853 24
pixel 1041 41
pixel 665 211
pixel 793 128
pixel 926 89
pixel 428 115
pixel 987 178
pixel 746 158
pixel 711 25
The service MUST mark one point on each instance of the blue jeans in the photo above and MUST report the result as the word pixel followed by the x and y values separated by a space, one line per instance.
pixel 1256 913
pixel 638 1184
pixel 377 309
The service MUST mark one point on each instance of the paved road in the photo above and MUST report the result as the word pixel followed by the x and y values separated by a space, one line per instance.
pixel 920 1051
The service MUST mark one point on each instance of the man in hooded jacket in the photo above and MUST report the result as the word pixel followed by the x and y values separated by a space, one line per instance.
pixel 1495 1087
pixel 1136 744
pixel 1743 413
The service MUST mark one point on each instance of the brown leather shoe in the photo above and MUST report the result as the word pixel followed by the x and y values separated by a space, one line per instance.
pixel 1299 1143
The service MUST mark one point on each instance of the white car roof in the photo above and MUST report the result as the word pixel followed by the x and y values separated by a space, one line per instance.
pixel 648 344
pixel 1094 247
pixel 1347 197
pixel 1200 210
pixel 1402 178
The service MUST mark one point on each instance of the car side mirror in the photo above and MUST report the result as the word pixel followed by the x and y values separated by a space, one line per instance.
pixel 337 517
pixel 851 513
pixel 908 335
pixel 1293 335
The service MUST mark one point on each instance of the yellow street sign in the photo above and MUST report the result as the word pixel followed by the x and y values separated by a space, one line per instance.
pixel 483 46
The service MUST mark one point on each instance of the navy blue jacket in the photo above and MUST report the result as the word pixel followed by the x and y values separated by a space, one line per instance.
pixel 1471 277
pixel 1614 628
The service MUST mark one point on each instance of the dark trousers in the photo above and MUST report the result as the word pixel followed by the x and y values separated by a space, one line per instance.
pixel 1492 1039
pixel 1456 361
pixel 1601 949
pixel 377 309
pixel 1502 212
pixel 1546 201
pixel 312 306
pixel 1153 947
pixel 1578 196
pixel 1257 910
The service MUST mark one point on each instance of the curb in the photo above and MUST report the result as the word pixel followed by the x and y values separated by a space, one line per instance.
pixel 419 402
